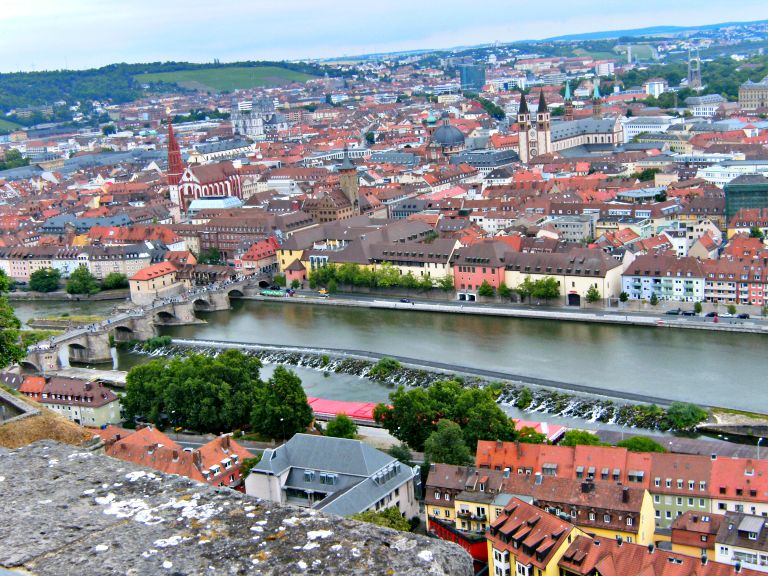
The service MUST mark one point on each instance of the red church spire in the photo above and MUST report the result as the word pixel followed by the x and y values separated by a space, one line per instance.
pixel 175 165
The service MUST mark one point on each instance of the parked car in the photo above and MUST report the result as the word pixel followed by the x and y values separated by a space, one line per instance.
pixel 405 300
pixel 743 316
pixel 675 312
pixel 688 313
pixel 711 315
pixel 726 315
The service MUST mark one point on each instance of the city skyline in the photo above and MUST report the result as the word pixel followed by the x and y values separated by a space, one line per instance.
pixel 45 35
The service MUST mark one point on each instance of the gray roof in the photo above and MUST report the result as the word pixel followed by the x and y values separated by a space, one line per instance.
pixel 563 130
pixel 222 146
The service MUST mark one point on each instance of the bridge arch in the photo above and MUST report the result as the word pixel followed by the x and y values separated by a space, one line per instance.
pixel 235 293
pixel 123 334
pixel 201 304
pixel 264 284
pixel 165 317
pixel 29 365
pixel 77 352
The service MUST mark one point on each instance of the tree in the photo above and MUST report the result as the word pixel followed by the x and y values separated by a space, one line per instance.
pixel 341 427
pixel 247 465
pixel 486 290
pixel 281 409
pixel 697 308
pixel 332 286
pixel 279 279
pixel 5 282
pixel 546 289
pixel 505 292
pixel 197 391
pixel 295 284
pixel 44 280
pixel 81 281
pixel 525 399
pixel 370 137
pixel 593 294
pixel 529 435
pixel 109 129
pixel 425 284
pixel 581 438
pixel 389 518
pixel 756 232
pixel 525 288
pixel 114 281
pixel 641 444
pixel 210 256
pixel 731 309
pixel 623 297
pixel 446 283
pixel 11 350
pixel 402 453
pixel 685 416
pixel 446 445
pixel 654 299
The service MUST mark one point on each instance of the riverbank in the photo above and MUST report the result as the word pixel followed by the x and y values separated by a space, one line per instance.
pixel 477 309
pixel 62 296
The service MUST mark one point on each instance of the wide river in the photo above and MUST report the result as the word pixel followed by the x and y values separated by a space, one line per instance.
pixel 712 368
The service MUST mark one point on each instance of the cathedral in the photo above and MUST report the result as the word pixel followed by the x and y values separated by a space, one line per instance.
pixel 538 135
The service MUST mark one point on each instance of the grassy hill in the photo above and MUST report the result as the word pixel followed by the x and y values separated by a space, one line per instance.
pixel 6 126
pixel 226 78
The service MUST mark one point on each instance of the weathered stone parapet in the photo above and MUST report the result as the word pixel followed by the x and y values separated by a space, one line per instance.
pixel 76 512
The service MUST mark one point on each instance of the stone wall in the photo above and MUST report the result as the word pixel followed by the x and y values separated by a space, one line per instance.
pixel 76 512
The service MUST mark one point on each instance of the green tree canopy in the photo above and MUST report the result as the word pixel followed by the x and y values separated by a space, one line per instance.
pixel 402 453
pixel 196 392
pixel 341 427
pixel 11 349
pixel 685 416
pixel 504 291
pixel 210 256
pixel 114 281
pixel 623 297
pixel 81 281
pixel 593 295
pixel 281 409
pixel 413 414
pixel 389 518
pixel 44 280
pixel 446 445
pixel 529 435
pixel 486 290
pixel 525 288
pixel 756 232
pixel 546 288
pixel 641 444
pixel 581 438
pixel 654 299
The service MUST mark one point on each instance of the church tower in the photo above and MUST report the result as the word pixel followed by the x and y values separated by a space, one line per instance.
pixel 568 115
pixel 597 102
pixel 349 182
pixel 175 164
pixel 534 138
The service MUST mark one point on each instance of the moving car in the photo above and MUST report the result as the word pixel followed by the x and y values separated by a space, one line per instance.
pixel 405 300
pixel 675 312
pixel 688 313
pixel 743 316
pixel 711 315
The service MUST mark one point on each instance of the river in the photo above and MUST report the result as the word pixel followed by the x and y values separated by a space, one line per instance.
pixel 723 369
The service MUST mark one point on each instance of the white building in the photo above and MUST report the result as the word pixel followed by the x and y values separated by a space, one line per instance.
pixel 721 174
pixel 705 106
pixel 647 125
pixel 656 87
pixel 743 538
pixel 669 278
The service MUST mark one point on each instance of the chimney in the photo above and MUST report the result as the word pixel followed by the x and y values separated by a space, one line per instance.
pixel 703 557
pixel 88 386
pixel 619 541
pixel 651 548
pixel 197 458
pixel 625 495
pixel 585 487
pixel 225 442
pixel 175 455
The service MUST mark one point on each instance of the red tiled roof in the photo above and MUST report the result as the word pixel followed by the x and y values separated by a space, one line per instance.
pixel 154 271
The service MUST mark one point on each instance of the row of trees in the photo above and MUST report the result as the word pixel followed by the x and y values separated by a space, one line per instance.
pixel 385 276
pixel 13 159
pixel 218 394
pixel 81 281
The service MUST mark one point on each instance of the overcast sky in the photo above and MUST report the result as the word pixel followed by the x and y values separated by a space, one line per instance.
pixel 51 34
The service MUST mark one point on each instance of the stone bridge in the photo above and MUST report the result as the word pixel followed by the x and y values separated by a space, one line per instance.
pixel 94 343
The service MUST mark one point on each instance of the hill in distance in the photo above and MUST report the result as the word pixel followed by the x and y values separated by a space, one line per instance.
pixel 226 78
pixel 650 31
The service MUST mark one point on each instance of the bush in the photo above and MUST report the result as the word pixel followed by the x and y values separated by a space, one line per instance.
pixel 685 416
pixel 623 297
pixel 641 444
pixel 341 427
pixel 593 295
pixel 279 279
pixel 81 281
pixel 114 281
pixel 581 438
pixel 697 307
pixel 654 299
pixel 156 342
pixel 486 290
pixel 383 369
pixel 731 309
pixel 44 280
pixel 525 399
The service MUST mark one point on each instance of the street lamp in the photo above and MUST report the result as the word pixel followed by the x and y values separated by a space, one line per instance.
pixel 759 440
pixel 282 423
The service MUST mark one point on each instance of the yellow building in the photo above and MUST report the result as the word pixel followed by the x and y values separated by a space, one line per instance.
pixel 575 271
pixel 524 540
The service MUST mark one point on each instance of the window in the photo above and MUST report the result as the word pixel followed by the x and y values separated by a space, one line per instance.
pixel 668 483
pixel 436 511
pixel 722 506
pixel 656 498
pixel 668 514
pixel 701 502
pixel 680 484
pixel 607 518
pixel 629 521
pixel 657 482
pixel 591 515
pixel 679 501
pixel 658 513
pixel 690 501
pixel 447 496
pixel 437 495
pixel 691 484
pixel 447 513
